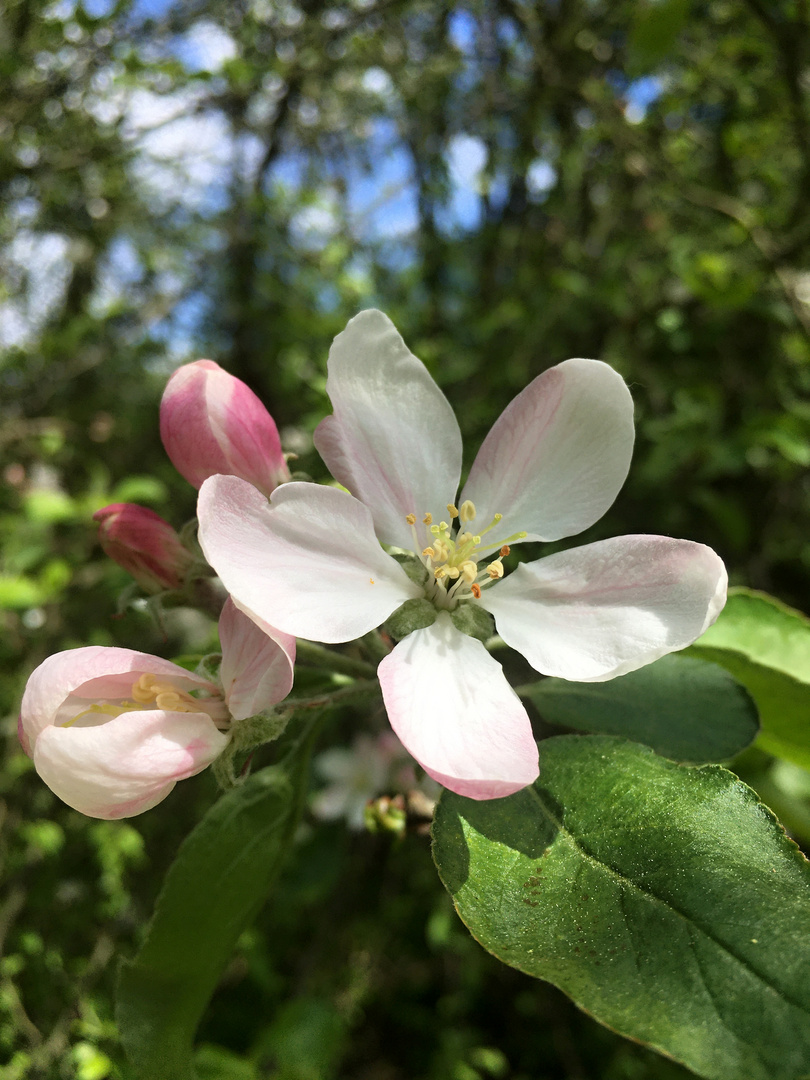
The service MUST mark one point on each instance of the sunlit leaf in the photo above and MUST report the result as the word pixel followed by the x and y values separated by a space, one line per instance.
pixel 765 645
pixel 684 708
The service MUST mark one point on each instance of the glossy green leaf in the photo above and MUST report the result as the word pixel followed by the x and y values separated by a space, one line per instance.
pixel 766 646
pixel 663 898
pixel 221 877
pixel 684 708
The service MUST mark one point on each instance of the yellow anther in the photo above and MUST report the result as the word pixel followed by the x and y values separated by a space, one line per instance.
pixel 467 510
pixel 411 519
pixel 172 701
pixel 440 572
pixel 441 550
pixel 428 553
pixel 146 688
pixel 451 510
pixel 495 569
pixel 469 570
pixel 427 519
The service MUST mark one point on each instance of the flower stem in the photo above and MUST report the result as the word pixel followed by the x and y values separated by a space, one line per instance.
pixel 357 691
pixel 308 652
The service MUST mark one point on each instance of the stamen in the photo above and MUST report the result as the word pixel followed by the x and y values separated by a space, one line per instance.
pixel 411 519
pixel 467 511
pixel 504 551
pixel 451 510
pixel 495 569
pixel 476 591
pixel 427 519
pixel 428 553
pixel 469 570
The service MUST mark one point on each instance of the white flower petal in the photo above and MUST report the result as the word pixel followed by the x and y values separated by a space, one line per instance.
pixel 393 440
pixel 454 711
pixel 604 609
pixel 557 456
pixel 257 662
pixel 127 765
pixel 308 563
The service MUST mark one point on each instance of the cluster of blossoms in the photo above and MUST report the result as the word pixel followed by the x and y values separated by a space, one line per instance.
pixel 398 545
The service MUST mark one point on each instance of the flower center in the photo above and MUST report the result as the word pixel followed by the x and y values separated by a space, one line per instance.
pixel 452 558
pixel 151 692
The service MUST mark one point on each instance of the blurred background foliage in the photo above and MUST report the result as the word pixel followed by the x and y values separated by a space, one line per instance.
pixel 515 183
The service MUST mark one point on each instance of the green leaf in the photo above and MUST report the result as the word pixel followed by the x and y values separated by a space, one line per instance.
pixel 684 708
pixel 213 890
pixel 663 898
pixel 766 646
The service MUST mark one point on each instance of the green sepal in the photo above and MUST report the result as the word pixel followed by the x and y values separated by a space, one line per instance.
pixel 473 621
pixel 246 735
pixel 413 615
pixel 413 567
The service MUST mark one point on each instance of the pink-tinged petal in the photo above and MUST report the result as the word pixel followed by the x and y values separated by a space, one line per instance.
pixel 557 456
pixel 308 562
pixel 127 765
pixel 393 440
pixel 145 545
pixel 453 710
pixel 257 662
pixel 211 422
pixel 93 672
pixel 604 609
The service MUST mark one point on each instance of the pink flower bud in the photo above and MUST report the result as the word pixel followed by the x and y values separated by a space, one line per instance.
pixel 111 730
pixel 145 545
pixel 211 423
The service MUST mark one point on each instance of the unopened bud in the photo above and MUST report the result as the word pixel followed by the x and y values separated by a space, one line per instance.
pixel 145 545
pixel 211 422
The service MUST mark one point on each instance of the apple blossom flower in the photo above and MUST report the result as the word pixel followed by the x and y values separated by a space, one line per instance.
pixel 312 559
pixel 112 730
pixel 211 422
pixel 145 545
pixel 374 765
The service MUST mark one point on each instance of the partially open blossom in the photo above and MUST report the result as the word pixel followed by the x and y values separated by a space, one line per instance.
pixel 211 422
pixel 552 464
pixel 112 730
pixel 145 545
